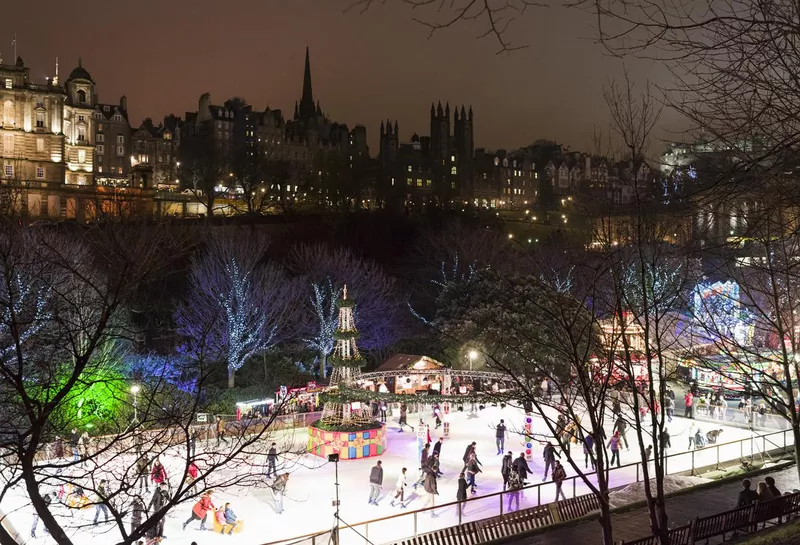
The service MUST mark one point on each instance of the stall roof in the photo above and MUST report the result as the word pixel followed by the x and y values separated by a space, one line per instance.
pixel 409 361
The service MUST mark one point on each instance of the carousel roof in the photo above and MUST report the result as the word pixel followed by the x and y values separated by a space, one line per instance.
pixel 409 361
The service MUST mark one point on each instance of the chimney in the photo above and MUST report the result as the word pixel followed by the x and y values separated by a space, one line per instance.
pixel 123 103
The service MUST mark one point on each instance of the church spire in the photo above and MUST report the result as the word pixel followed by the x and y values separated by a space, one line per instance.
pixel 307 108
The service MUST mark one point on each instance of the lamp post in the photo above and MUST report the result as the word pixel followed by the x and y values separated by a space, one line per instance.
pixel 472 356
pixel 135 391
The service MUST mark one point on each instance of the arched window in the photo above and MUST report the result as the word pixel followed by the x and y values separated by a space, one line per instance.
pixel 82 96
pixel 8 113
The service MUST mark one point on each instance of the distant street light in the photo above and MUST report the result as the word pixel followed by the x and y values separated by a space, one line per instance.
pixel 472 356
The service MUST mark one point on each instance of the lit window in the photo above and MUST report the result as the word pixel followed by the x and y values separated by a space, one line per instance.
pixel 419 182
pixel 100 168
pixel 9 170
pixel 409 168
pixel 9 83
pixel 452 158
pixel 40 144
pixel 39 120
pixel 39 172
pixel 81 134
pixel 452 185
pixel 427 183
pixel 409 181
pixel 454 170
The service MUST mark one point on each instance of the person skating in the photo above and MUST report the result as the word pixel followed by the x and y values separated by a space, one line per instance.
pixel 613 445
pixel 157 503
pixel 648 453
pixel 375 483
pixel 665 439
pixel 472 471
pixel 505 468
pixel 514 488
pixel 521 467
pixel 669 405
pixel 621 426
pixel 279 490
pixel 272 458
pixel 59 448
pixel 74 442
pixel 588 455
pixel 230 519
pixel 433 463
pixel 138 510
pixel 432 491
pixel 383 412
pixel 713 436
pixel 688 400
pixel 102 499
pixel 403 421
pixel 437 450
pixel 200 510
pixel 400 489
pixel 691 435
pixel 143 474
pixel 470 449
pixel 461 493
pixel 192 473
pixel 158 474
pixel 437 415
pixel 423 461
pixel 48 498
pixel 500 436
pixel 221 431
pixel 549 455
pixel 559 474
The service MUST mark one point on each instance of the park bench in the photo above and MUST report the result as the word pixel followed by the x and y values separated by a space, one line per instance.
pixel 577 507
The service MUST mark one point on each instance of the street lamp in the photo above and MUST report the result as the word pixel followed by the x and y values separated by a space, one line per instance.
pixel 472 356
pixel 135 390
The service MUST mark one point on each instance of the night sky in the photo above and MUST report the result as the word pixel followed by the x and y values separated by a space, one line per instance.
pixel 163 54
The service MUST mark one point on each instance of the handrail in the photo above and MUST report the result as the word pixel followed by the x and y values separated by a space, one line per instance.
pixel 579 475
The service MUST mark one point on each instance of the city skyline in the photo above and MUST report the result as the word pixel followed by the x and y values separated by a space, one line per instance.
pixel 360 74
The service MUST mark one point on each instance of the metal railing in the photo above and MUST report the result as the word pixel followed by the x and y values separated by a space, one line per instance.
pixel 743 418
pixel 392 528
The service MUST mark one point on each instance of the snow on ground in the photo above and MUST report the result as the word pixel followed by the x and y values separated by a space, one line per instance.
pixel 310 490
pixel 635 491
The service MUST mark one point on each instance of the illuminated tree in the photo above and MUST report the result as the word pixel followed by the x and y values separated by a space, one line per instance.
pixel 323 307
pixel 238 305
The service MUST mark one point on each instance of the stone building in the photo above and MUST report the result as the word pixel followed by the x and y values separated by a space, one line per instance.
pixel 155 154
pixel 112 137
pixel 504 180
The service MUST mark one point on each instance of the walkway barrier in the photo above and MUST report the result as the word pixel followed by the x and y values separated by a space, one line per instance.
pixel 729 523
pixel 737 417
pixel 537 505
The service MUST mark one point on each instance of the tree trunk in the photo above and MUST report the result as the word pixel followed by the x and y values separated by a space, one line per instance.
pixel 231 378
pixel 323 361
pixel 796 435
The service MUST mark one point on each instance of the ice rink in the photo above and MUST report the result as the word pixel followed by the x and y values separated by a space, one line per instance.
pixel 310 490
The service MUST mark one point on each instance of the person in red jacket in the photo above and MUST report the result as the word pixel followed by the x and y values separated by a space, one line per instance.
pixel 192 473
pixel 688 400
pixel 200 510
pixel 158 474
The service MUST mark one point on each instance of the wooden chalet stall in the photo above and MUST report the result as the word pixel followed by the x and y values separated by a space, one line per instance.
pixel 417 380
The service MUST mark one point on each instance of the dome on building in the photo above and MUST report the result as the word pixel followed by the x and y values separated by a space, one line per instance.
pixel 80 73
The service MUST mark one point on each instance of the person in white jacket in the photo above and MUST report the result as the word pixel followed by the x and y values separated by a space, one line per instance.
pixel 400 488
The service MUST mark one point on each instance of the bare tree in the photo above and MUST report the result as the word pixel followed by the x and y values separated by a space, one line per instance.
pixel 204 170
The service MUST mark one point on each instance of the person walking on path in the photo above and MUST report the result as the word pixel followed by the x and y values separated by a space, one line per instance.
pixel 500 436
pixel 400 489
pixel 472 471
pixel 158 474
pixel 143 473
pixel 272 458
pixel 505 468
pixel 200 510
pixel 375 483
pixel 549 455
pixel 613 445
pixel 102 498
pixel 279 490
pixel 688 400
pixel 520 466
pixel 588 445
pixel 461 493
pixel 404 418
pixel 559 474
pixel 621 426
pixel 221 431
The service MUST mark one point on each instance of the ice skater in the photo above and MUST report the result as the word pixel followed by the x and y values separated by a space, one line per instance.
pixel 500 436
pixel 432 490
pixel 272 458
pixel 101 505
pixel 200 510
pixel 423 461
pixel 400 489
pixel 375 483
pixel 403 421
pixel 520 465
pixel 221 431
pixel 279 490
pixel 461 494
pixel 549 456
pixel 472 470
pixel 505 468
pixel 437 450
